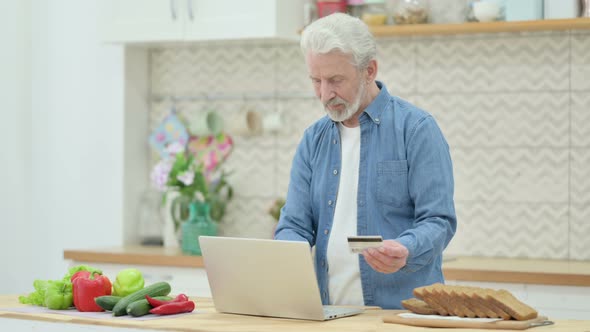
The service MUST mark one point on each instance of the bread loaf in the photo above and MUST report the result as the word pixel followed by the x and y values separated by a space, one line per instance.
pixel 480 308
pixel 426 294
pixel 468 302
pixel 418 307
pixel 481 294
pixel 507 302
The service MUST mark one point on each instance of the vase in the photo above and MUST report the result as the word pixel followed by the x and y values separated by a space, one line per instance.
pixel 174 212
pixel 199 223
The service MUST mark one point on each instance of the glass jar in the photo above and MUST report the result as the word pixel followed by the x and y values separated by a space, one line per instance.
pixel 375 12
pixel 585 8
pixel 410 12
pixel 150 226
pixel 448 11
pixel 356 7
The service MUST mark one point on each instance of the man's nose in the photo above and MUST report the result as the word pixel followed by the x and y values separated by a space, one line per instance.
pixel 326 93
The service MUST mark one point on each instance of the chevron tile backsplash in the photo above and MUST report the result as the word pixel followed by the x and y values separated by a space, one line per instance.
pixel 515 108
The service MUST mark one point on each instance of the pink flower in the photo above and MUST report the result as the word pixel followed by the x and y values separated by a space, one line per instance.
pixel 175 148
pixel 159 175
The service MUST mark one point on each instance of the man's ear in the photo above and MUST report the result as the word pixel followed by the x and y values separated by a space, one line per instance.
pixel 372 70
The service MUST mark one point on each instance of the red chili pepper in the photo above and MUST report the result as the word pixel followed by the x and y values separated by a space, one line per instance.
pixel 174 308
pixel 88 287
pixel 156 303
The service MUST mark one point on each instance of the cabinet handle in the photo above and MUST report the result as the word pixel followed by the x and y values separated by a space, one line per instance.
pixel 173 9
pixel 189 4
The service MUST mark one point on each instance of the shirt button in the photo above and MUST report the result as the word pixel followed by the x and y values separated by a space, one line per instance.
pixel 335 172
pixel 330 202
pixel 334 141
pixel 377 120
pixel 326 231
pixel 323 263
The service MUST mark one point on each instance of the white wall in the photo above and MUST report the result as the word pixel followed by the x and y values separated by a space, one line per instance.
pixel 15 133
pixel 68 194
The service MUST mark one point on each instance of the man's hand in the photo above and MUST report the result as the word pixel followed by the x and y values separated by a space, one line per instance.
pixel 388 258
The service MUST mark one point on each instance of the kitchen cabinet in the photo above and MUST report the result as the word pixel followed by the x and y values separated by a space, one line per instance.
pixel 149 21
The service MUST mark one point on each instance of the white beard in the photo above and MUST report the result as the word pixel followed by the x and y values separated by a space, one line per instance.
pixel 349 109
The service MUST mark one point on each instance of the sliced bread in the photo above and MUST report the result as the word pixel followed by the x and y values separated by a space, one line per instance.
pixel 418 307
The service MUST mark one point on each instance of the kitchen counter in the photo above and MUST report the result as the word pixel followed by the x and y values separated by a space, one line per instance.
pixel 142 255
pixel 205 318
pixel 485 269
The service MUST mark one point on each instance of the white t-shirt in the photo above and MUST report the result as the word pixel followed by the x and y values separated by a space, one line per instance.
pixel 343 266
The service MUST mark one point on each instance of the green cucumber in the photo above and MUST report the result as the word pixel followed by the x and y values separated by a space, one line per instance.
pixel 107 302
pixel 142 307
pixel 161 288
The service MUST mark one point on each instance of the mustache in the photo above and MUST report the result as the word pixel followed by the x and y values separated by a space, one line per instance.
pixel 335 101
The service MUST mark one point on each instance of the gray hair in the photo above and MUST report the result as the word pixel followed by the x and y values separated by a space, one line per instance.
pixel 340 32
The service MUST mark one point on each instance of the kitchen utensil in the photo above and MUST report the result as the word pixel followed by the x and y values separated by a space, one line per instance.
pixel 272 122
pixel 486 11
pixel 170 130
pixel 246 122
pixel 211 151
pixel 205 123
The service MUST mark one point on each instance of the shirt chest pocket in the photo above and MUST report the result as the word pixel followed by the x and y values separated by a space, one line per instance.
pixel 392 183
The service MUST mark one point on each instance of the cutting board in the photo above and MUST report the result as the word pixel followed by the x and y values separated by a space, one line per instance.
pixel 500 325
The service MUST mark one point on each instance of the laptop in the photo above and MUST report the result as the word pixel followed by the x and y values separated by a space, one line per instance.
pixel 265 278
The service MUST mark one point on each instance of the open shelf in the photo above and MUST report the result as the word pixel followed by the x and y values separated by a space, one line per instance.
pixel 478 27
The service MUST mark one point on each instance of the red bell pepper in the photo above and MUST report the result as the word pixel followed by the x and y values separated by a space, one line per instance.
pixel 87 287
pixel 86 274
pixel 174 308
pixel 156 303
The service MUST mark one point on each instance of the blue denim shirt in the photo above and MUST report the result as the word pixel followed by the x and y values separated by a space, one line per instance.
pixel 405 192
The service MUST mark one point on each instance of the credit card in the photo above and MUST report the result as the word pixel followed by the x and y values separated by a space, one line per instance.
pixel 357 244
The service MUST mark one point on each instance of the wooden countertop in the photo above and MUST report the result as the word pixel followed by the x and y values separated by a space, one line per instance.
pixel 141 255
pixel 205 318
pixel 485 269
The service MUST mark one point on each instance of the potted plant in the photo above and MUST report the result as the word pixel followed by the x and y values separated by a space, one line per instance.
pixel 183 181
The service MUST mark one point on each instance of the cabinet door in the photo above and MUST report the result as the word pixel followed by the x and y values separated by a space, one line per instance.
pixel 142 20
pixel 239 19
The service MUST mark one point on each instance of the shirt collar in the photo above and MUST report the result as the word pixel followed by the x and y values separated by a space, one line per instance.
pixel 378 104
